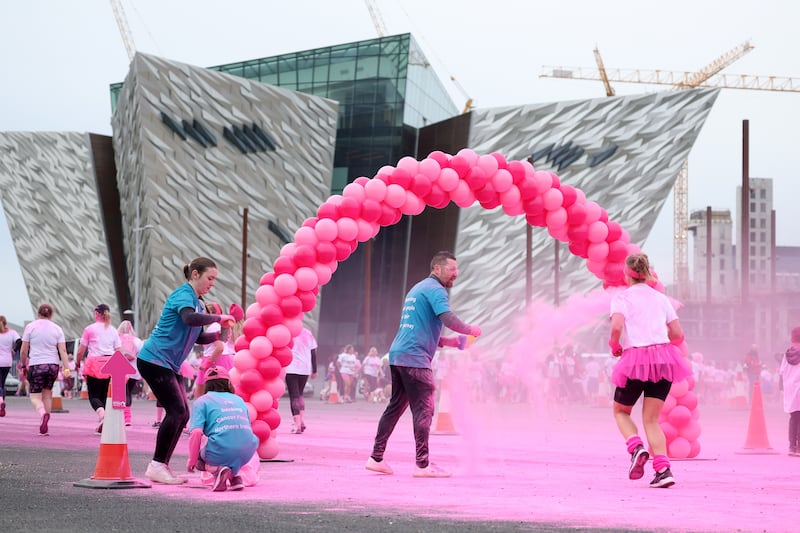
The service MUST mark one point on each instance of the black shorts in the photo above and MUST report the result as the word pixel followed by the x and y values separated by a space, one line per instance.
pixel 629 394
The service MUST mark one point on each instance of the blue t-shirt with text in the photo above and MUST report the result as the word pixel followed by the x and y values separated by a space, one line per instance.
pixel 172 340
pixel 224 419
pixel 420 325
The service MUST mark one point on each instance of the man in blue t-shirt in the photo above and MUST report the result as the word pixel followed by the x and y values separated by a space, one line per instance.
pixel 425 310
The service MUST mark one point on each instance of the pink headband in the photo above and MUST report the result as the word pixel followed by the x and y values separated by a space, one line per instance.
pixel 633 274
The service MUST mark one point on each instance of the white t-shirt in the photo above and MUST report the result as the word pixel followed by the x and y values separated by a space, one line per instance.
pixel 301 354
pixel 372 365
pixel 43 336
pixel 647 313
pixel 209 349
pixel 100 339
pixel 7 341
pixel 348 363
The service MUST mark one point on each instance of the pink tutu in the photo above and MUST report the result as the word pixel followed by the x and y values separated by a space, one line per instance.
pixel 651 363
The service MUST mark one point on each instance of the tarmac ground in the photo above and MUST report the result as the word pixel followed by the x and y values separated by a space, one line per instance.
pixel 516 467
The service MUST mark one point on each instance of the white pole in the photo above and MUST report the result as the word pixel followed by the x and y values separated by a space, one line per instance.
pixel 137 230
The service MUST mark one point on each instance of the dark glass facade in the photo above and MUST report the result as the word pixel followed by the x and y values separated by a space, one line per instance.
pixel 387 93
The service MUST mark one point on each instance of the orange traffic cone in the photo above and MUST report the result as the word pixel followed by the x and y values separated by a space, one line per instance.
pixel 333 394
pixel 603 394
pixel 757 442
pixel 443 424
pixel 84 391
pixel 113 469
pixel 57 406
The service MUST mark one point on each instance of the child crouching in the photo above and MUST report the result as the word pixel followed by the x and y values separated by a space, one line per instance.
pixel 222 417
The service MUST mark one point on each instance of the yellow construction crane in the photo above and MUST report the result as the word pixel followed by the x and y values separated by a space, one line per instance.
pixel 468 103
pixel 708 76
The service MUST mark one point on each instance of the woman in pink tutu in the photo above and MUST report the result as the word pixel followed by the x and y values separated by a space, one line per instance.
pixel 645 335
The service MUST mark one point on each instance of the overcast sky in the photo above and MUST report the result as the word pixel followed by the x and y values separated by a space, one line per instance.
pixel 59 57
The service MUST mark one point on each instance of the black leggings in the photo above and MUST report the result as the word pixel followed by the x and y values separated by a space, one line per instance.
pixel 295 383
pixel 167 387
pixel 97 389
pixel 3 374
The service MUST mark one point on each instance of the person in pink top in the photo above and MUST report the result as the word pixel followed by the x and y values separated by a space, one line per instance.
pixel 42 345
pixel 645 335
pixel 101 340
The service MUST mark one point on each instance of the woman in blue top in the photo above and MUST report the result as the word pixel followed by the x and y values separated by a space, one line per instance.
pixel 178 330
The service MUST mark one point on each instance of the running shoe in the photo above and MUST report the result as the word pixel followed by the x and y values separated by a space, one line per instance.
pixel 663 480
pixel 380 467
pixel 639 458
pixel 222 479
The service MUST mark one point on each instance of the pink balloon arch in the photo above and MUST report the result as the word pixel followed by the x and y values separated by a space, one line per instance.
pixel 357 215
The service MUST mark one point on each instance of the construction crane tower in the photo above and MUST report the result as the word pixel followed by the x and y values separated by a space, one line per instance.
pixel 124 29
pixel 708 76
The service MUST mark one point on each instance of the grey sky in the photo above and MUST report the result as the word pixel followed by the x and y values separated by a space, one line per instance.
pixel 60 57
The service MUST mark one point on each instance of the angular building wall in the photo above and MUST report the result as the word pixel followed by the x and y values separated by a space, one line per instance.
pixel 193 148
pixel 50 196
pixel 623 152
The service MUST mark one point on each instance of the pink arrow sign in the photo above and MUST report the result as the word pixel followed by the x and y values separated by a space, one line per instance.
pixel 119 368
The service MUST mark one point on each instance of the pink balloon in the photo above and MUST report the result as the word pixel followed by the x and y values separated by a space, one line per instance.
pixel 511 201
pixel 670 432
pixel 544 181
pixel 502 180
pixel 324 273
pixel 306 279
pixel 559 233
pixel 691 430
pixel 430 168
pixel 556 219
pixel 285 285
pixel 260 429
pixel 348 229
pixel 266 294
pixel 288 249
pixel 395 196
pixel 598 231
pixel 254 309
pixel 413 205
pixel 244 360
pixel 375 190
pixel 596 267
pixel 592 212
pixel 276 387
pixel 279 335
pixel 488 164
pixel 295 326
pixel 597 251
pixel 678 389
pixel 268 449
pixel 354 191
pixel 270 367
pixel 695 449
pixel 260 347
pixel 679 416
pixel 689 400
pixel 552 199
pixel 462 196
pixel 469 155
pixel 252 412
pixel 679 448
pixel 448 179
pixel 251 381
pixel 261 400
pixel 409 165
pixel 326 229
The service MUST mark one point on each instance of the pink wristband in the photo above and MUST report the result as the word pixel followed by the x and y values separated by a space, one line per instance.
pixel 678 341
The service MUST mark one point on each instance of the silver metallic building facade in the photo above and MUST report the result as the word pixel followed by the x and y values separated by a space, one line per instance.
pixel 623 152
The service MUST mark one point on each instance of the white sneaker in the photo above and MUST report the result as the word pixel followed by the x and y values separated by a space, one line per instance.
pixel 161 473
pixel 381 468
pixel 431 471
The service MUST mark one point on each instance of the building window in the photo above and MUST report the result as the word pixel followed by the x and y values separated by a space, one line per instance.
pixel 722 248
pixel 752 250
pixel 763 194
pixel 722 264
pixel 763 223
pixel 752 207
pixel 764 207
pixel 763 250
pixel 752 223
pixel 752 236
pixel 764 237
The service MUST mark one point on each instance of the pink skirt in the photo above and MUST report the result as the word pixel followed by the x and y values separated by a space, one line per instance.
pixel 651 363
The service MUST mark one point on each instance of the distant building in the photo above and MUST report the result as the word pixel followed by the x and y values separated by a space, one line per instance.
pixel 724 283
pixel 760 234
